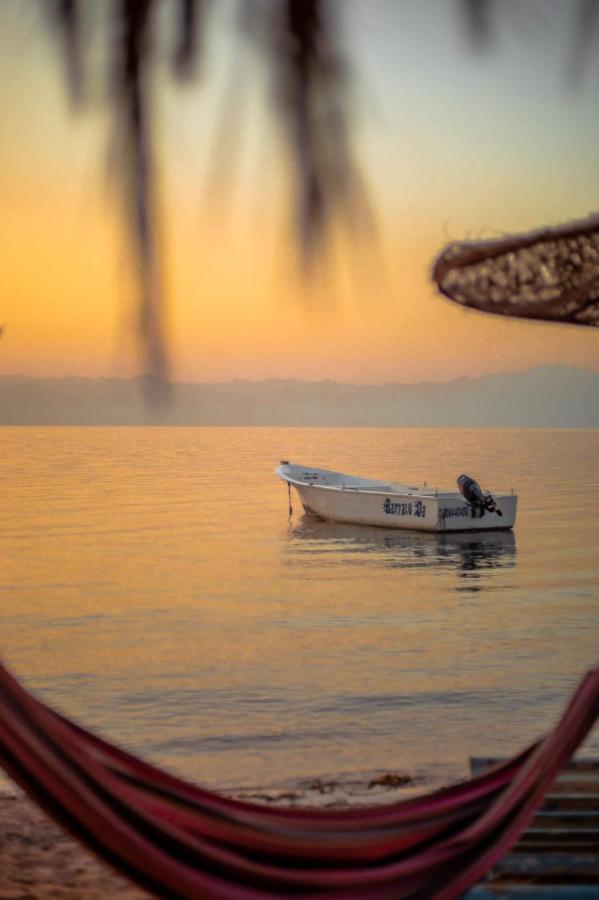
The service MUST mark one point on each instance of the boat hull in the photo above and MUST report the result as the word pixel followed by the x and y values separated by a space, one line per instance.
pixel 413 509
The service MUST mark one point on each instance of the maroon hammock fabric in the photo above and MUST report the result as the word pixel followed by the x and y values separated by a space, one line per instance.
pixel 178 840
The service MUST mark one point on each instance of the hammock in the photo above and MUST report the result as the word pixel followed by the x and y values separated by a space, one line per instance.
pixel 178 840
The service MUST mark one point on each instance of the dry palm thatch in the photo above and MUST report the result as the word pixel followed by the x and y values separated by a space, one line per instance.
pixel 550 274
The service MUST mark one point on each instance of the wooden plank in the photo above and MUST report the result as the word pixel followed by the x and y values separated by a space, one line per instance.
pixel 533 892
pixel 557 833
pixel 556 847
pixel 564 785
pixel 576 866
pixel 479 764
pixel 568 818
pixel 571 802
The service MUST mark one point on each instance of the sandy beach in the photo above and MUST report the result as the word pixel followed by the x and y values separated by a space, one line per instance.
pixel 39 860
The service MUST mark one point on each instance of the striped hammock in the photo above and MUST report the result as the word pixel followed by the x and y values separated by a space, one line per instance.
pixel 178 840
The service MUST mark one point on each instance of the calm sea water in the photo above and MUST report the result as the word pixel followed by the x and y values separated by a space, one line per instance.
pixel 153 587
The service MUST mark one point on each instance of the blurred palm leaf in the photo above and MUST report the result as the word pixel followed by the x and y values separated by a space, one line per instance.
pixel 311 80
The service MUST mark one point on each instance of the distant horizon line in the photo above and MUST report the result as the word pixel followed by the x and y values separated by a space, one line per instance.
pixel 287 379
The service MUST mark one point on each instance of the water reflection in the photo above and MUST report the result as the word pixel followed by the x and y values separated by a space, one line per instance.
pixel 336 542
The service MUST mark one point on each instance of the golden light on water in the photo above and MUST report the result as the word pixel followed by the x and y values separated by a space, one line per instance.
pixel 153 593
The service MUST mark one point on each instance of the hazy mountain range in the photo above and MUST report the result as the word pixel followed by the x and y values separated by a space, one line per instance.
pixel 556 395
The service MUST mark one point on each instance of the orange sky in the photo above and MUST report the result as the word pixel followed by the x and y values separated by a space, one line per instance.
pixel 453 145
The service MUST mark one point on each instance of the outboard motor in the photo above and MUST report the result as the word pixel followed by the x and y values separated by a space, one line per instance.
pixel 479 501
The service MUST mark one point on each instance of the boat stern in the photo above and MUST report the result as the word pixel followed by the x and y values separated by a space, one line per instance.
pixel 457 515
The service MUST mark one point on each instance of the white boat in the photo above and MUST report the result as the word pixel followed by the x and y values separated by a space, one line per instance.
pixel 364 501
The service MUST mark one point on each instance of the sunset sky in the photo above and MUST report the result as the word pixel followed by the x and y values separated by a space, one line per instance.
pixel 453 143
